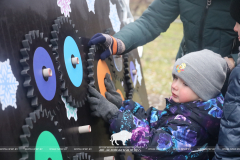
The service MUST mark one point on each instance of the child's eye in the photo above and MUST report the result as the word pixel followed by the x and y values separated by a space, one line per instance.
pixel 175 77
pixel 185 84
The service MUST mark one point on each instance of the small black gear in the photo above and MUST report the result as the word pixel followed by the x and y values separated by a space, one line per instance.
pixel 63 28
pixel 33 41
pixel 39 124
pixel 82 156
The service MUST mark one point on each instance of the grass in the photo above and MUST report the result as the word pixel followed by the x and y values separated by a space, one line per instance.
pixel 158 60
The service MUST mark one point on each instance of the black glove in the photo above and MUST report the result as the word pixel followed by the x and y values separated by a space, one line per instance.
pixel 112 95
pixel 100 106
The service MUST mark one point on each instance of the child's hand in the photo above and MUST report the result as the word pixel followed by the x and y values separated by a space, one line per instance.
pixel 100 106
pixel 112 95
pixel 113 45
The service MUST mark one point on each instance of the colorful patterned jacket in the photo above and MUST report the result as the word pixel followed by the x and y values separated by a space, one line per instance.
pixel 180 132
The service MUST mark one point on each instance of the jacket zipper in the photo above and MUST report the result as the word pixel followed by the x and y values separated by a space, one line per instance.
pixel 200 45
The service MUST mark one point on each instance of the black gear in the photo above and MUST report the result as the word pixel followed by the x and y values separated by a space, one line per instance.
pixel 38 122
pixel 32 41
pixel 82 156
pixel 62 28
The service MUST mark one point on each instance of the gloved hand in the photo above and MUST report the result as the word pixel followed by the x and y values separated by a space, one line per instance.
pixel 100 106
pixel 112 95
pixel 113 45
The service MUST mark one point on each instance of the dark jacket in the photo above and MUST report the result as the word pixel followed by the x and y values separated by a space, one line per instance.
pixel 204 27
pixel 228 146
pixel 180 132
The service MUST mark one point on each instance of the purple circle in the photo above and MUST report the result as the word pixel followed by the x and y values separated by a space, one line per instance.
pixel 132 67
pixel 47 88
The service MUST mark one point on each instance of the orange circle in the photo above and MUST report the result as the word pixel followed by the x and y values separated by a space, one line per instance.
pixel 102 69
pixel 120 94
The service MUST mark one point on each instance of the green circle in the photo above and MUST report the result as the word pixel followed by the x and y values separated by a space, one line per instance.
pixel 47 147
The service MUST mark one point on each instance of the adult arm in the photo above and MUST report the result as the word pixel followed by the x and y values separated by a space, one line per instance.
pixel 156 19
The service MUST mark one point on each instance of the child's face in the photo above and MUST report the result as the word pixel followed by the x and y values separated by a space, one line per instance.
pixel 237 29
pixel 181 93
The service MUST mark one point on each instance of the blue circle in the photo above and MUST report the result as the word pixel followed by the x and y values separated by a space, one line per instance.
pixel 75 74
pixel 46 88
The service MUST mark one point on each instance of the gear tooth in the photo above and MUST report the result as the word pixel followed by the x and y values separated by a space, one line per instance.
pixel 34 102
pixel 37 33
pixel 54 34
pixel 24 64
pixel 73 25
pixel 73 104
pixel 89 157
pixel 41 35
pixel 29 122
pixel 23 152
pixel 86 155
pixel 25 44
pixel 76 31
pixel 63 86
pixel 55 123
pixel 30 92
pixel 69 99
pixel 56 27
pixel 24 53
pixel 70 21
pixel 50 45
pixel 37 113
pixel 33 116
pixel 24 140
pixel 80 104
pixel 77 104
pixel 59 130
pixel 91 56
pixel 83 103
pixel 92 83
pixel 90 63
pixel 26 130
pixel 75 157
pixel 54 43
pixel 28 37
pixel 58 22
pixel 32 34
pixel 82 154
pixel 64 19
pixel 40 108
pixel 65 93
pixel 45 39
pixel 92 50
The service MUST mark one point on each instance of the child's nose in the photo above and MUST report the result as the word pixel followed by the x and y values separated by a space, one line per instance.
pixel 174 85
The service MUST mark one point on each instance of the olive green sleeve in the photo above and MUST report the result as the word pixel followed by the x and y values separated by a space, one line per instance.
pixel 155 19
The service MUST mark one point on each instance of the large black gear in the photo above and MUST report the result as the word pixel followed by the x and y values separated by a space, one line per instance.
pixel 34 40
pixel 38 122
pixel 63 28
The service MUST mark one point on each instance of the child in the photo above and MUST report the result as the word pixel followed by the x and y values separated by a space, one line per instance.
pixel 228 145
pixel 191 117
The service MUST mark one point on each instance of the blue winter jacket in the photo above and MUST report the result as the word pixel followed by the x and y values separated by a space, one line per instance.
pixel 228 146
pixel 180 132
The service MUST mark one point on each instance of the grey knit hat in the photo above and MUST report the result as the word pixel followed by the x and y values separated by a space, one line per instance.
pixel 203 71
